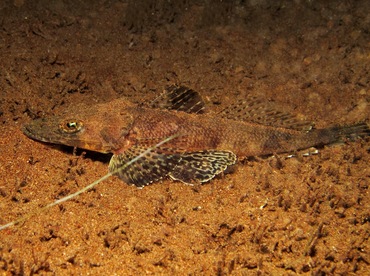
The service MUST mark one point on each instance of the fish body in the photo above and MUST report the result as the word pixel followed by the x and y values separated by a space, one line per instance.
pixel 206 144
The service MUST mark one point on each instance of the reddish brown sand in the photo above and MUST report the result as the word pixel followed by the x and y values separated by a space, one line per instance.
pixel 269 217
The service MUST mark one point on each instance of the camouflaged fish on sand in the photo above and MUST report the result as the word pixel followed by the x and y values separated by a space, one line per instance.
pixel 205 145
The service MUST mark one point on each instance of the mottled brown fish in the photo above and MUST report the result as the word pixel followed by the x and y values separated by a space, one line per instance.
pixel 206 144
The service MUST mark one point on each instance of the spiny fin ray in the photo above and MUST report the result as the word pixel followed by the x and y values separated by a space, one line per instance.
pixel 179 98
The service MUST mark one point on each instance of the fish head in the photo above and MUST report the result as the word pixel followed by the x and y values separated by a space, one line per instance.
pixel 102 129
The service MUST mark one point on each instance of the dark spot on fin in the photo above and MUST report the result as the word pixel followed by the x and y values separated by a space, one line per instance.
pixel 253 109
pixel 150 168
pixel 202 166
pixel 179 98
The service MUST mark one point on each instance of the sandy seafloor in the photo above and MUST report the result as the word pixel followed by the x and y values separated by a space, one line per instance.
pixel 293 216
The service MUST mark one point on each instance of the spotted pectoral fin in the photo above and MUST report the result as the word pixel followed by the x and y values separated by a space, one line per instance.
pixel 256 110
pixel 149 168
pixel 179 98
pixel 202 166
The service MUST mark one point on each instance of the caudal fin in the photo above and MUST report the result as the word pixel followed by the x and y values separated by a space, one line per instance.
pixel 352 132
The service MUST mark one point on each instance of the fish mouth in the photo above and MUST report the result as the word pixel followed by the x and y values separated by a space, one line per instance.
pixel 49 131
pixel 40 130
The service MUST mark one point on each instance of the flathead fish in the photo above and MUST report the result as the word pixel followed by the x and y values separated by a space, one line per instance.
pixel 206 144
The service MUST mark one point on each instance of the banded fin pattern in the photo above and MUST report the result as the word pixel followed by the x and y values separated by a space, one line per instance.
pixel 151 167
pixel 253 109
pixel 202 166
pixel 179 98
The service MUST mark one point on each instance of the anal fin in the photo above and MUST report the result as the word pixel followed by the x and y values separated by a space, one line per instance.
pixel 304 153
pixel 202 166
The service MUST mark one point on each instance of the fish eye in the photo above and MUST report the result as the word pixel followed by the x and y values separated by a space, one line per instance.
pixel 71 126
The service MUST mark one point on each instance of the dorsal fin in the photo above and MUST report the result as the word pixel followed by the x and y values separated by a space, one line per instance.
pixel 253 109
pixel 179 98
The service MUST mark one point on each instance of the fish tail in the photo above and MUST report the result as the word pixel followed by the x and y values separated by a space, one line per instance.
pixel 351 132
